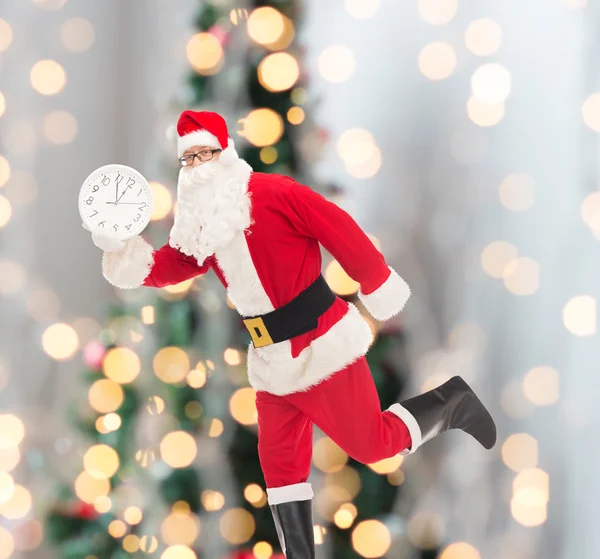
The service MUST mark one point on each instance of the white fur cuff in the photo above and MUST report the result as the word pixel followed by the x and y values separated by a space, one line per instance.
pixel 412 425
pixel 129 267
pixel 198 138
pixel 289 493
pixel 388 299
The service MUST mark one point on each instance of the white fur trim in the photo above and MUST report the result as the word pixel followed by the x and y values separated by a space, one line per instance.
pixel 273 369
pixel 130 266
pixel 229 155
pixel 411 423
pixel 290 493
pixel 388 299
pixel 197 138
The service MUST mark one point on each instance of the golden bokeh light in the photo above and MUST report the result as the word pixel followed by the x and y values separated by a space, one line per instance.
pixel 178 552
pixel 491 83
pixel 371 538
pixel 356 146
pixel 178 449
pixel 590 210
pixel 145 457
pixel 232 356
pixel 460 550
pixel 496 256
pixel 18 505
pixel 367 169
pixel 345 515
pixel 180 528
pixel 48 77
pixel 147 314
pixel 9 457
pixel 520 451
pixel 437 60
pixel 196 378
pixel 517 192
pixel 336 63
pixel 5 211
pixel 171 364
pixel 237 15
pixel 131 543
pixel 533 484
pixel 100 426
pixel 205 53
pixel 425 530
pixel 163 200
pixel 262 127
pixel 254 493
pixel 121 364
pixel 438 12
pixel 237 526
pixel 103 504
pixel 242 406
pixel 7 487
pixel 5 171
pixel 105 395
pixel 296 115
pixel 278 71
pixel 483 37
pixel 484 114
pixel 22 188
pixel 2 109
pixel 101 461
pixel 12 431
pixel 60 127
pixel 579 315
pixel 181 507
pixel 77 34
pixel 112 421
pixel 60 341
pixel 591 112
pixel 6 35
pixel 216 428
pixel 362 9
pixel 212 500
pixel 193 409
pixel 339 281
pixel 541 386
pixel 268 155
pixel 12 276
pixel 262 550
pixel 88 487
pixel 387 465
pixel 117 529
pixel 396 478
pixel 7 543
pixel 528 515
pixel 149 544
pixel 265 25
pixel 328 456
pixel 178 290
pixel 522 276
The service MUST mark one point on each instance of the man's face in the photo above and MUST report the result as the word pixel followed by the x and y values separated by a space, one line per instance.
pixel 204 155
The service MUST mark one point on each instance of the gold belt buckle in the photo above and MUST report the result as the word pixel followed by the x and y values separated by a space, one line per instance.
pixel 258 331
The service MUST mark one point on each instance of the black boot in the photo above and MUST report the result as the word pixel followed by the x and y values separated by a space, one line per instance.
pixel 294 525
pixel 453 405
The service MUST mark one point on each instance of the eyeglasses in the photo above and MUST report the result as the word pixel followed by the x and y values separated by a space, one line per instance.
pixel 204 156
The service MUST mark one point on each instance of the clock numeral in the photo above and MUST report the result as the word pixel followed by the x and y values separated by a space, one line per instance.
pixel 130 181
pixel 95 212
pixel 128 227
pixel 137 217
pixel 140 191
pixel 95 188
pixel 142 206
pixel 89 200
pixel 115 227
pixel 105 181
pixel 118 179
pixel 101 224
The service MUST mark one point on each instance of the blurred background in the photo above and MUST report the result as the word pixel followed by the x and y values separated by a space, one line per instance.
pixel 461 135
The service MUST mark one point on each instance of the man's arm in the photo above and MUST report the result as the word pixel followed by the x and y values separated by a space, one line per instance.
pixel 138 264
pixel 382 291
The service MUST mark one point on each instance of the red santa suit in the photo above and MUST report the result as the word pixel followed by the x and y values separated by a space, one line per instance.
pixel 320 377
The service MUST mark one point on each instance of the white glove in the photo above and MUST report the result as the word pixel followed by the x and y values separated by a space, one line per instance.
pixel 106 242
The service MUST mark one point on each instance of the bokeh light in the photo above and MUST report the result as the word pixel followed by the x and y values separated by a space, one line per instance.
pixel 7 543
pixel 178 449
pixel 362 9
pixel 5 211
pixel 88 487
pixel 522 276
pixel 254 494
pixel 212 500
pixel 6 35
pixel 520 451
pixel 438 12
pixel 60 127
pixel 171 364
pixel 178 552
pixel 117 528
pixel 296 115
pixel 531 490
pixel 5 171
pixel 278 71
pixel 131 543
pixel 336 63
pixel 517 192
pixel 205 53
pixel 149 544
pixel 541 386
pixel 232 356
pixel 460 550
pixel 122 365
pixel 237 526
pixel 180 528
pixel 339 281
pixel 328 456
pixel 242 406
pixel 12 431
pixel 77 34
pixel 591 111
pixel 101 461
pixel 371 538
pixel 483 37
pixel 216 428
pixel 196 378
pixel 60 341
pixel 10 455
pixel 2 104
pixel 105 395
pixel 426 530
pixel 496 256
pixel 12 276
pixel 491 83
pixel 7 487
pixel 262 550
pixel 387 465
pixel 18 505
pixel 265 25
pixel 579 315
pixel 484 114
pixel 163 200
pixel 22 188
pixel 437 61
pixel 262 127
pixel 48 77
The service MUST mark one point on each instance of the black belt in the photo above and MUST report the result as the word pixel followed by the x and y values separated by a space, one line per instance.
pixel 297 317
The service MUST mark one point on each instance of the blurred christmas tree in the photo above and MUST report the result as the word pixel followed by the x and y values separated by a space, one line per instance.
pixel 173 469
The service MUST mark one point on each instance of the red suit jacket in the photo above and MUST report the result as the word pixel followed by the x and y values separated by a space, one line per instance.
pixel 270 263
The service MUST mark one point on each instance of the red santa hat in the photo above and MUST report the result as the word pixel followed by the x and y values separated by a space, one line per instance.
pixel 203 128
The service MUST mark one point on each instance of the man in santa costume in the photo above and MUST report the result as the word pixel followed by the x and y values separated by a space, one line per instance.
pixel 261 234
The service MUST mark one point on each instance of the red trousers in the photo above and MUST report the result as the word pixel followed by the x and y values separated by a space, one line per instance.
pixel 345 407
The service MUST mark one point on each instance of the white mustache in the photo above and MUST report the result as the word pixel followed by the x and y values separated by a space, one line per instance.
pixel 201 174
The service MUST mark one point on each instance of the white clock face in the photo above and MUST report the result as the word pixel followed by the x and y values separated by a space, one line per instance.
pixel 116 200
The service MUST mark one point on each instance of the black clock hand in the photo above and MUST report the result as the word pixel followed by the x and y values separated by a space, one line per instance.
pixel 123 194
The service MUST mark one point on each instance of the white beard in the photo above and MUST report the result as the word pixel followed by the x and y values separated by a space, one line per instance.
pixel 213 205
